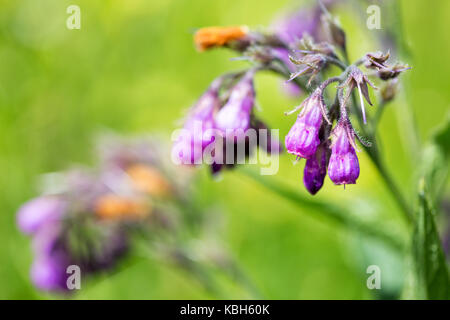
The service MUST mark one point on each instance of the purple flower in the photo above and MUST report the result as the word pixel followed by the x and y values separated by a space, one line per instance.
pixel 316 169
pixel 303 138
pixel 234 117
pixel 48 271
pixel 343 167
pixel 54 252
pixel 193 141
pixel 39 211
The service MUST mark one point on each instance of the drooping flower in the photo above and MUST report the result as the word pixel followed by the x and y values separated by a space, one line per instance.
pixel 193 140
pixel 49 273
pixel 343 167
pixel 234 117
pixel 316 169
pixel 303 138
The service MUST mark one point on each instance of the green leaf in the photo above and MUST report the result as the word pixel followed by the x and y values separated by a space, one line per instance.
pixel 429 259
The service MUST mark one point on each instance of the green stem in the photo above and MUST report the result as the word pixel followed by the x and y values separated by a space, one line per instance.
pixel 391 185
pixel 374 156
pixel 328 210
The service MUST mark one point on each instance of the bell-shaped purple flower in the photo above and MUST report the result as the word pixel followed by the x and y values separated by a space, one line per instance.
pixel 316 169
pixel 343 167
pixel 234 117
pixel 48 271
pixel 39 211
pixel 303 138
pixel 193 140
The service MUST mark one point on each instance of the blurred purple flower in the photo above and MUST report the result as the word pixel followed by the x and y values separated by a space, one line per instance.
pixel 193 141
pixel 234 117
pixel 49 273
pixel 39 211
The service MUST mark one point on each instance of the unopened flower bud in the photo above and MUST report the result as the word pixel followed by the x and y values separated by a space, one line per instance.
pixel 392 72
pixel 303 138
pixel 376 60
pixel 316 169
pixel 357 79
pixel 191 143
pixel 234 116
pixel 389 90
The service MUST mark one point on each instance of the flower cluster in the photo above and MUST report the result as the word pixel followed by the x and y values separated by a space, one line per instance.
pixel 222 119
pixel 88 218
pixel 72 227
pixel 310 136
pixel 299 46
pixel 225 112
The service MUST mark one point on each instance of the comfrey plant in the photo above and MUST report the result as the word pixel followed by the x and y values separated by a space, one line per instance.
pixel 305 47
pixel 294 47
pixel 134 202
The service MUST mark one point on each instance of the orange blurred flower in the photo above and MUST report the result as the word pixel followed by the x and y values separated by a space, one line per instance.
pixel 114 207
pixel 149 180
pixel 210 37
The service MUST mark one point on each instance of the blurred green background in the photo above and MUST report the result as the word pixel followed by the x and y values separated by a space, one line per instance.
pixel 132 68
